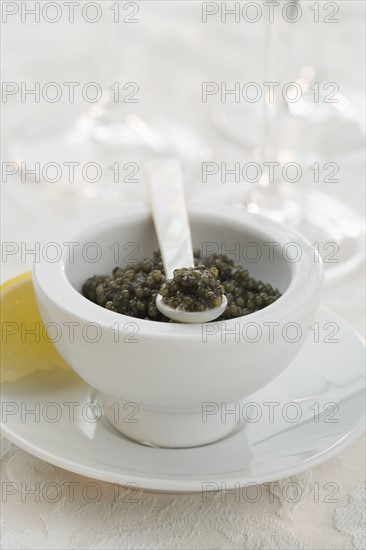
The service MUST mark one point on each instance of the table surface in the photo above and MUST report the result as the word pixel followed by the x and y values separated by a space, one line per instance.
pixel 153 520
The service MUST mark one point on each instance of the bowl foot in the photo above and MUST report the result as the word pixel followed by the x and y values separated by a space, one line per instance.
pixel 170 427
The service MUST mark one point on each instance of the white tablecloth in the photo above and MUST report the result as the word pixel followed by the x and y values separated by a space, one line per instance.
pixel 31 212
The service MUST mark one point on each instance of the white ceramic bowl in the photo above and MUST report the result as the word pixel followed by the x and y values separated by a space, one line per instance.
pixel 169 384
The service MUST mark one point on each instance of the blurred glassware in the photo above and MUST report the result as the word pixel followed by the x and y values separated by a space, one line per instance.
pixel 119 136
pixel 115 140
pixel 302 132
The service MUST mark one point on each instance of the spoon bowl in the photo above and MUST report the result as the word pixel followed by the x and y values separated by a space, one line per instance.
pixel 190 316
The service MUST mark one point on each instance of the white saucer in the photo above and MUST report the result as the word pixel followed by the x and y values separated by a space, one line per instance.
pixel 326 377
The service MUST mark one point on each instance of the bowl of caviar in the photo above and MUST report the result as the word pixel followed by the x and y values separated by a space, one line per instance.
pixel 177 377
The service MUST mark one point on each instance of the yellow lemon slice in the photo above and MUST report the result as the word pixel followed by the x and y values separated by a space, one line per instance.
pixel 25 346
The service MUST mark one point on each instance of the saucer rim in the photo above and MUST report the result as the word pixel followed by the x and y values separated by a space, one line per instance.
pixel 183 486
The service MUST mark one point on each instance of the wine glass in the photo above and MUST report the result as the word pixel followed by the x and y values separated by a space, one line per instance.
pixel 132 122
pixel 319 138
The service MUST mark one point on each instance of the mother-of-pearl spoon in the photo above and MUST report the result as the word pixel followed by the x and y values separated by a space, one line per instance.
pixel 165 184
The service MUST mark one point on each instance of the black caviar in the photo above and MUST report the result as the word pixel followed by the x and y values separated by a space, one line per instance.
pixel 132 290
pixel 193 289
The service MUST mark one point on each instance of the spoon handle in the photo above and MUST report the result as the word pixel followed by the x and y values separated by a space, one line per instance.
pixel 165 184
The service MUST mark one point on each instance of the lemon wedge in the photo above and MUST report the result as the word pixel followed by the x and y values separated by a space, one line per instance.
pixel 25 347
